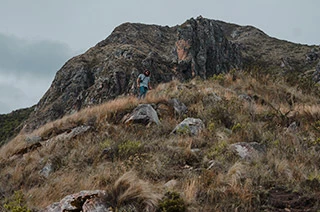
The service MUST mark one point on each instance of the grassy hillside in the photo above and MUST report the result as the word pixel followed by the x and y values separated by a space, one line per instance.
pixel 11 123
pixel 205 174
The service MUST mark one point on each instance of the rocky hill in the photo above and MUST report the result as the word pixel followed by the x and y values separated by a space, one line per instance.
pixel 198 47
pixel 232 124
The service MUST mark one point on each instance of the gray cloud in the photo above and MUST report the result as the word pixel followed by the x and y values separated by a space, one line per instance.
pixel 11 97
pixel 26 70
pixel 4 107
pixel 38 58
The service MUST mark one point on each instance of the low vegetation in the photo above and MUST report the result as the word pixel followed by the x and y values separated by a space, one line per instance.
pixel 11 124
pixel 237 107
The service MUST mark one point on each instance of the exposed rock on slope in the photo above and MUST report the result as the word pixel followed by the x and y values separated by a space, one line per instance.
pixel 259 49
pixel 198 47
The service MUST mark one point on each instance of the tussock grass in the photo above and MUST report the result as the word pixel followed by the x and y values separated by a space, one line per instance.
pixel 210 177
pixel 131 193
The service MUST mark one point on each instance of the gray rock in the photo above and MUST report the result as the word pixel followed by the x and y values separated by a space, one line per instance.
pixel 47 169
pixel 195 150
pixel 33 139
pixel 196 56
pixel 143 114
pixel 249 151
pixel 312 56
pixel 189 126
pixel 69 134
pixel 171 184
pixel 179 107
pixel 293 127
pixel 316 74
pixel 54 207
pixel 245 97
pixel 96 205
pixel 211 98
pixel 75 202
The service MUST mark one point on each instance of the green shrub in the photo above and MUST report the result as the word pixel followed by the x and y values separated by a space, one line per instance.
pixel 172 202
pixel 315 142
pixel 236 127
pixel 218 149
pixel 317 125
pixel 211 127
pixel 16 203
pixel 184 130
pixel 106 144
pixel 128 148
pixel 219 77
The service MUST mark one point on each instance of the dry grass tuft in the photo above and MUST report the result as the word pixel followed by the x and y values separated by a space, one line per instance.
pixel 191 189
pixel 131 192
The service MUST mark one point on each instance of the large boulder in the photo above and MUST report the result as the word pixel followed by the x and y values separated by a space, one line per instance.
pixel 143 114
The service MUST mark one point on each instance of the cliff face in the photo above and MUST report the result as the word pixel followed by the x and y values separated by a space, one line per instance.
pixel 198 47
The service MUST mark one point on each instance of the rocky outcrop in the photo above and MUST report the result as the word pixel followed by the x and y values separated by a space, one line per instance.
pixel 199 47
pixel 203 50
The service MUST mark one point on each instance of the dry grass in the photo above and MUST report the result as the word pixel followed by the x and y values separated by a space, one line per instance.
pixel 13 146
pixel 231 183
pixel 129 192
pixel 191 189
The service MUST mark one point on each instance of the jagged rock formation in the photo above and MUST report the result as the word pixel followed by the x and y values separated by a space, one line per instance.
pixel 198 47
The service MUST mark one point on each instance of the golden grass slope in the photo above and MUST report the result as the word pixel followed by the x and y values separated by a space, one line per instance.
pixel 210 177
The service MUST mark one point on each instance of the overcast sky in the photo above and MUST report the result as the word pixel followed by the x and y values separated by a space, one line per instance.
pixel 38 36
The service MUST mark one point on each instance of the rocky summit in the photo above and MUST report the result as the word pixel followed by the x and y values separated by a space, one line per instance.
pixel 199 47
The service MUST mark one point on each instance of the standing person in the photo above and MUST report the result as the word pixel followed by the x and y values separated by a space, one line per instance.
pixel 143 83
